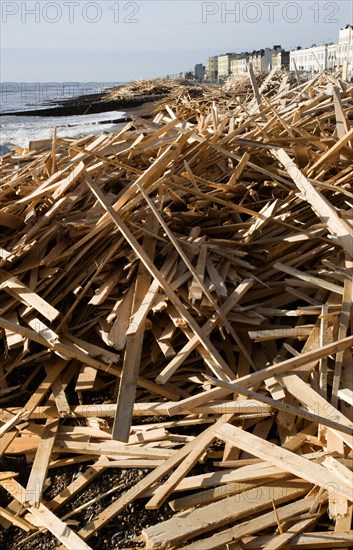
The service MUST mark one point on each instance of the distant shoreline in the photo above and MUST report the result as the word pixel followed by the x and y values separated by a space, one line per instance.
pixel 99 111
pixel 84 105
pixel 130 96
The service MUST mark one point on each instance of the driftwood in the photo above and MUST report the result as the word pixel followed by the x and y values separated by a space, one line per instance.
pixel 197 267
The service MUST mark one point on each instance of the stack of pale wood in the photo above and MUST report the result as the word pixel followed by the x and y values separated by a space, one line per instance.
pixel 240 84
pixel 201 274
pixel 154 86
pixel 188 102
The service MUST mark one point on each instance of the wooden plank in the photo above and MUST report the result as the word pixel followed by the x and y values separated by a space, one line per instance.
pixel 86 379
pixel 195 290
pixel 16 520
pixel 13 339
pixel 336 148
pixel 255 87
pixel 164 343
pixel 252 379
pixel 344 523
pixel 201 520
pixel 138 319
pixel 6 440
pixel 55 368
pixel 104 410
pixel 211 495
pixel 315 281
pixel 134 342
pixel 78 484
pixel 326 420
pixel 63 185
pixel 216 279
pixel 110 448
pixel 151 174
pixel 58 388
pixel 138 489
pixel 21 292
pixel 107 286
pixel 316 403
pixel 262 471
pixel 346 395
pixel 10 220
pixel 344 320
pixel 182 470
pixel 307 541
pixel 342 124
pixel 57 527
pixel 266 214
pixel 338 228
pixel 181 356
pixel 239 169
pixel 281 540
pixel 275 334
pixel 297 465
pixel 324 339
pixel 35 484
pixel 339 469
pixel 117 336
pixel 219 540
pixel 10 421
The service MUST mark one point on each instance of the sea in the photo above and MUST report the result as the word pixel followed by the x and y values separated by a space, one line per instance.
pixel 20 96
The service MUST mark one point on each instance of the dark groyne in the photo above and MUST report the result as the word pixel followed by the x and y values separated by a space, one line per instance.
pixel 84 105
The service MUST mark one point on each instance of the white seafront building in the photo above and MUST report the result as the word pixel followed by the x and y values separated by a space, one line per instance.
pixel 312 60
pixel 327 57
pixel 345 50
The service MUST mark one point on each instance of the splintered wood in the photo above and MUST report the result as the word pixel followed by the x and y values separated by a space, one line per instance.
pixel 176 310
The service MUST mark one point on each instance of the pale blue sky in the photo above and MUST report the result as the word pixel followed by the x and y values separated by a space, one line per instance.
pixel 108 40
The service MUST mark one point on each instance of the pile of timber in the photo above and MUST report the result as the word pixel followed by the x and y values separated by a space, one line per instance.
pixel 152 87
pixel 188 102
pixel 200 276
pixel 241 84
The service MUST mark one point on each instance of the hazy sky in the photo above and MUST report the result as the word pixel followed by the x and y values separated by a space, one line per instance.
pixel 109 40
